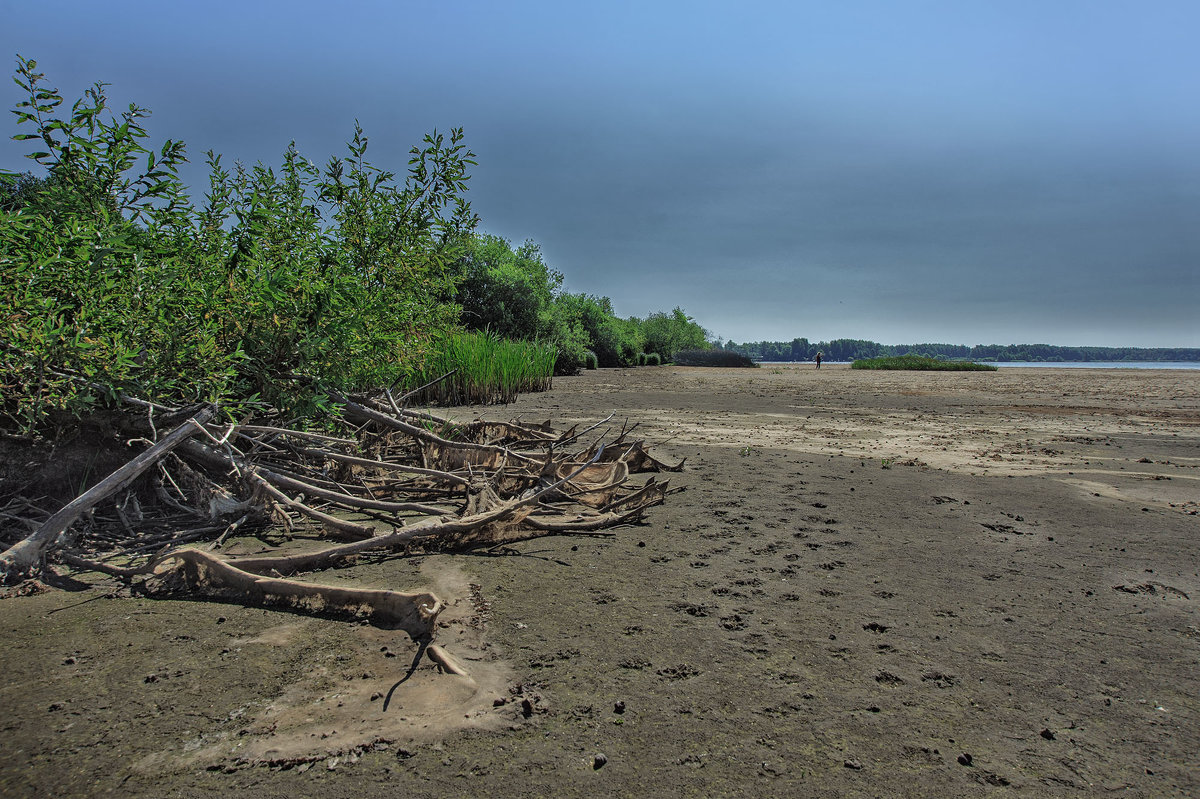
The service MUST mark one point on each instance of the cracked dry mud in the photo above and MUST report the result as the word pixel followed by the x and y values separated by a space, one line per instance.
pixel 874 584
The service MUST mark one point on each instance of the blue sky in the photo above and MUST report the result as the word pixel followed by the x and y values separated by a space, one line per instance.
pixel 953 171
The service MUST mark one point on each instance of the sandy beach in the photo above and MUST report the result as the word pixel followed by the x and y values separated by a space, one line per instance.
pixel 872 584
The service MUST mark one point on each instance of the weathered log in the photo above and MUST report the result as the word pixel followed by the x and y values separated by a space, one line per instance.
pixel 21 558
pixel 78 562
pixel 340 527
pixel 582 522
pixel 282 481
pixel 639 459
pixel 446 662
pixel 570 436
pixel 198 572
pixel 597 485
pixel 652 493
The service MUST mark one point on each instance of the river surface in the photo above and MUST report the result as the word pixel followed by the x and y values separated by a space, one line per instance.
pixel 1102 364
pixel 1055 364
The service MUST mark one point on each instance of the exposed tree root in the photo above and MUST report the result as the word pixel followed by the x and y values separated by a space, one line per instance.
pixel 389 481
pixel 445 661
pixel 23 558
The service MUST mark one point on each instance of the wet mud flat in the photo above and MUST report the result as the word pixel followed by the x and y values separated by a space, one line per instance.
pixel 873 584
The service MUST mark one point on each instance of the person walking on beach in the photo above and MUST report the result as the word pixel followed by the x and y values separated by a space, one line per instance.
pixel 818 360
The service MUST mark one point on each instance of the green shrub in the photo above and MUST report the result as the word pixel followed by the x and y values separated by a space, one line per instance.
pixel 653 359
pixel 590 361
pixel 920 363
pixel 713 358
pixel 673 332
pixel 616 342
pixel 110 273
pixel 507 291
pixel 513 292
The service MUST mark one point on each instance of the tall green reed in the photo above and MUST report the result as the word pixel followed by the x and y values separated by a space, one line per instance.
pixel 487 369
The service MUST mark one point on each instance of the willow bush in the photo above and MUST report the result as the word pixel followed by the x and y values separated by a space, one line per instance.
pixel 280 282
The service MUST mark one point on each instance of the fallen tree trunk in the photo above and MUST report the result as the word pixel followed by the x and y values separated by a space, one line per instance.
pixel 213 458
pixel 195 572
pixel 23 557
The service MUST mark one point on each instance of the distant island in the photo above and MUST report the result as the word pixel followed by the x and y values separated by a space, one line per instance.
pixel 848 349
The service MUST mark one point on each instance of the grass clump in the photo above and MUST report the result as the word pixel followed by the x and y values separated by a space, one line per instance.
pixel 590 361
pixel 713 358
pixel 921 364
pixel 487 369
pixel 653 359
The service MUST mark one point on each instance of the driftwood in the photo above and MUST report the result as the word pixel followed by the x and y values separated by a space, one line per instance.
pixel 446 662
pixel 194 572
pixel 388 482
pixel 24 557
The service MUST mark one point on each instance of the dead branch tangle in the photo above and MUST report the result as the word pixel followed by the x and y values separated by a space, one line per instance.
pixel 383 479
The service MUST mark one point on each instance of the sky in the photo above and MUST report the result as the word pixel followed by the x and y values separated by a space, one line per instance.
pixel 945 171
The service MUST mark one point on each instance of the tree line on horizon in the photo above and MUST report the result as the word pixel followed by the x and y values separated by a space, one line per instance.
pixel 846 349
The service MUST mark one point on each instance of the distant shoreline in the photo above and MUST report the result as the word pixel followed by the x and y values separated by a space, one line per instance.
pixel 1101 364
pixel 845 349
pixel 1050 364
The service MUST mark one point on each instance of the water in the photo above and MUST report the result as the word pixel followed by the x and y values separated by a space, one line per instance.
pixel 1048 364
pixel 1102 364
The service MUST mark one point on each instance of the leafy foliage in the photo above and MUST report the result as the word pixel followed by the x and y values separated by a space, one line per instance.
pixel 670 333
pixel 514 293
pixel 713 358
pixel 19 190
pixel 509 292
pixel 281 281
pixel 919 363
pixel 614 341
